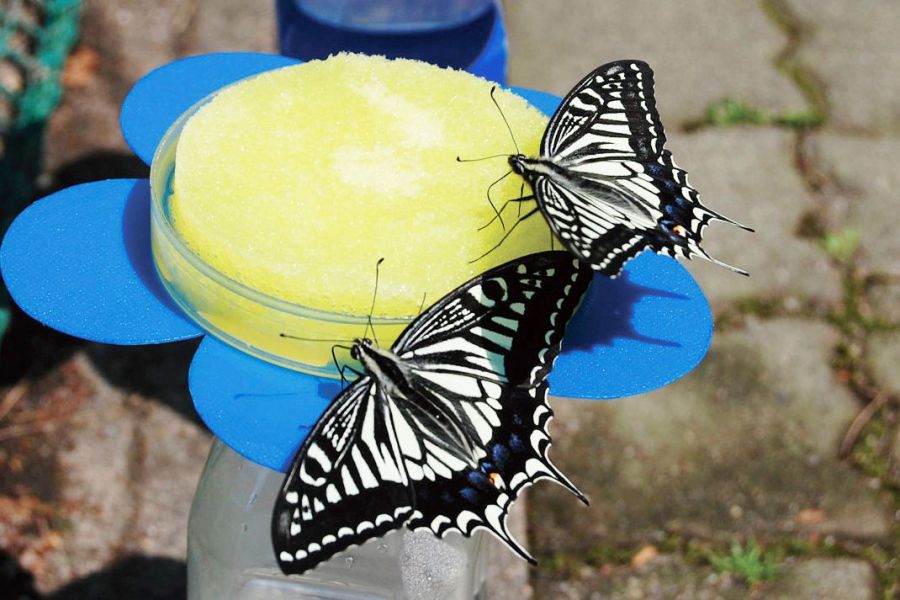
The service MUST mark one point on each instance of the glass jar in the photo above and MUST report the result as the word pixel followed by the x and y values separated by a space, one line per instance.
pixel 230 553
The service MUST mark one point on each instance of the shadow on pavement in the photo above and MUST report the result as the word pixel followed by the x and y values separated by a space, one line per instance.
pixel 134 577
pixel 157 372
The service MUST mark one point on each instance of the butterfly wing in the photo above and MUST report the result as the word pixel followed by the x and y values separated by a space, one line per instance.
pixel 615 190
pixel 481 355
pixel 347 484
pixel 611 113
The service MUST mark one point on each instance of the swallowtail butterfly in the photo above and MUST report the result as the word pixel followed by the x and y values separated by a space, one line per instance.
pixel 443 430
pixel 603 180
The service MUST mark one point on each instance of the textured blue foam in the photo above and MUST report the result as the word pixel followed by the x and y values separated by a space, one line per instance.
pixel 79 261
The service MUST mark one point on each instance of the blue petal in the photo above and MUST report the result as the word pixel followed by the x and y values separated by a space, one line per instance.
pixel 546 103
pixel 635 333
pixel 79 261
pixel 161 96
pixel 261 411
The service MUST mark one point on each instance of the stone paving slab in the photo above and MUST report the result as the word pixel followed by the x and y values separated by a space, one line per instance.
pixel 738 448
pixel 747 174
pixel 672 578
pixel 663 578
pixel 853 47
pixel 702 51
pixel 884 302
pixel 824 579
pixel 868 183
pixel 128 469
pixel 884 359
pixel 234 26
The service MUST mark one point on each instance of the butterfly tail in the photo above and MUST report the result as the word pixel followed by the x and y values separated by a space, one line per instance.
pixel 720 217
pixel 543 468
pixel 498 527
pixel 700 251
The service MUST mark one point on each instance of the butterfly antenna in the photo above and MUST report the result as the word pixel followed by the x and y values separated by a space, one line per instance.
pixel 306 339
pixel 369 324
pixel 497 104
pixel 468 160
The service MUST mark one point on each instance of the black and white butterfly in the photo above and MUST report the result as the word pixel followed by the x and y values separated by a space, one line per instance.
pixel 443 430
pixel 603 180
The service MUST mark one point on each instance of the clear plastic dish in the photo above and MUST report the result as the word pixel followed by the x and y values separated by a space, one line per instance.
pixel 235 313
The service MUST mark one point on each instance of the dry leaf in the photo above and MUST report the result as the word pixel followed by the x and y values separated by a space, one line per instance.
pixel 810 516
pixel 643 556
pixel 81 68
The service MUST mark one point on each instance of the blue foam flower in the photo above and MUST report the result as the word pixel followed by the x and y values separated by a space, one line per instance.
pixel 80 261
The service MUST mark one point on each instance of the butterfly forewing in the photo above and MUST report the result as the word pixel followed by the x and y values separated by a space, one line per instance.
pixel 611 113
pixel 347 485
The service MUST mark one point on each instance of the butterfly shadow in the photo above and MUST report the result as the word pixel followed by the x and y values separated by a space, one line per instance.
pixel 607 313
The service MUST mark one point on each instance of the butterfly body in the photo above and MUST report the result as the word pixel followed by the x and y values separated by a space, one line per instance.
pixel 603 180
pixel 443 429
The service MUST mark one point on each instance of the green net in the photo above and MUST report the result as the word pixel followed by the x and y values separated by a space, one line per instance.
pixel 35 38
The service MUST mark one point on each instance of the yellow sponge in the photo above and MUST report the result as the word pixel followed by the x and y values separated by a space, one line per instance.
pixel 297 181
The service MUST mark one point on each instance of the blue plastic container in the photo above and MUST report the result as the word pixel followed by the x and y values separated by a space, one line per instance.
pixel 475 42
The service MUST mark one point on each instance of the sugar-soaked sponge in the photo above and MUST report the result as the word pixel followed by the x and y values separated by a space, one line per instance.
pixel 297 181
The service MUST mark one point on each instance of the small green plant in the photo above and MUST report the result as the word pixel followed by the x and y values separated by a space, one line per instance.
pixel 749 563
pixel 735 112
pixel 841 245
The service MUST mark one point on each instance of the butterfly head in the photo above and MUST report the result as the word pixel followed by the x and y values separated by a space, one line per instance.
pixel 360 345
pixel 527 167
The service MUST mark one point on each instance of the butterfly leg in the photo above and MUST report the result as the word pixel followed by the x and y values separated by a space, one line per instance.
pixel 497 213
pixel 507 234
pixel 518 200
pixel 342 369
